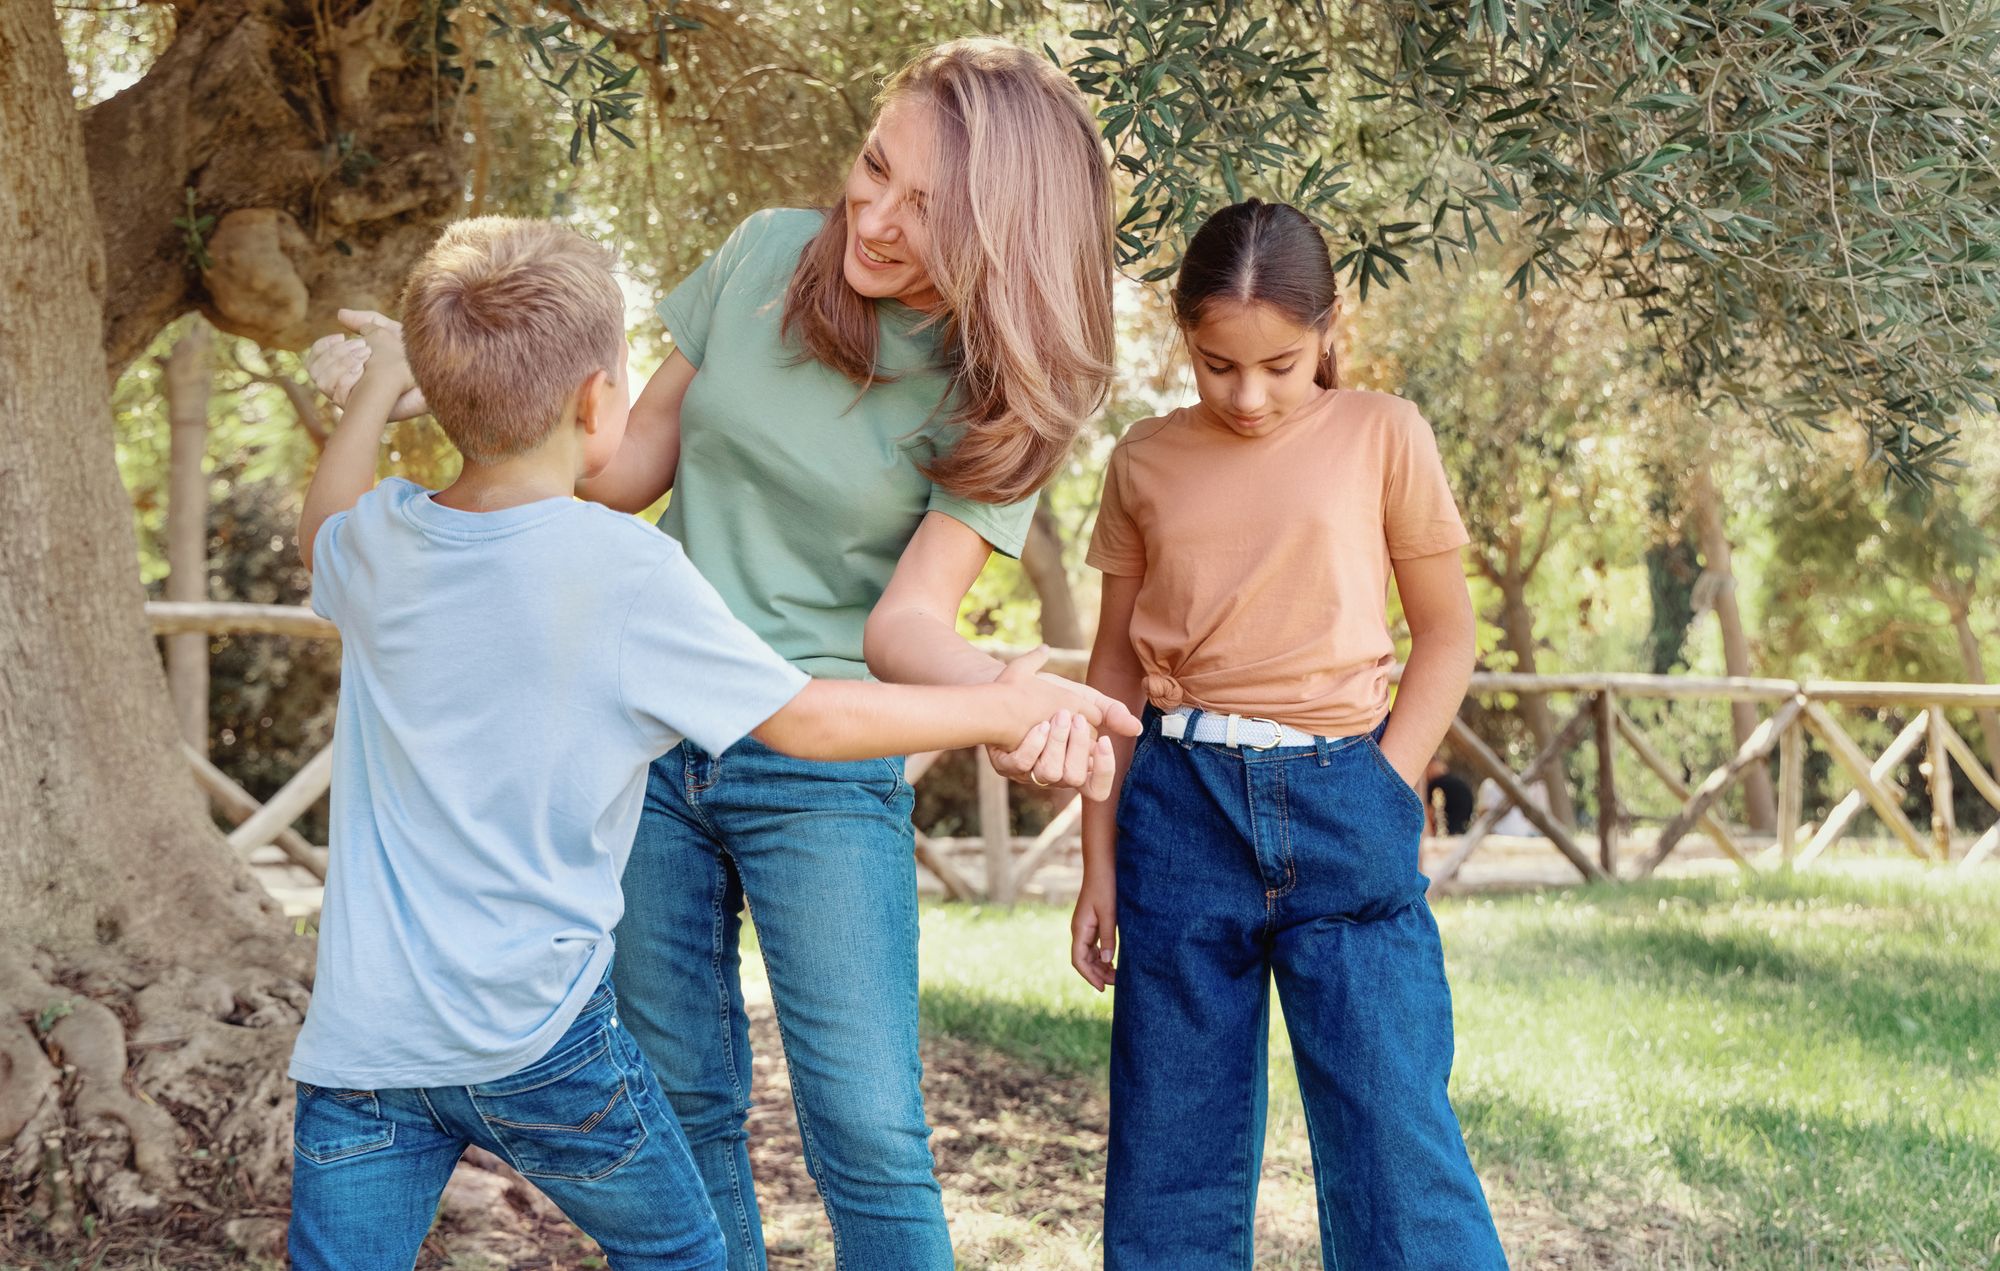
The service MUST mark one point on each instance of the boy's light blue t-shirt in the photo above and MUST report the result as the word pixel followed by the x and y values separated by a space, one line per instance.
pixel 506 678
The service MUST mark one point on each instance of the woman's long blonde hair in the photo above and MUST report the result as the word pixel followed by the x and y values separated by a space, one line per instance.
pixel 1020 253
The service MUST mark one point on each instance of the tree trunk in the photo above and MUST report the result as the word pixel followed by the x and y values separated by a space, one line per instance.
pixel 1760 805
pixel 322 144
pixel 188 377
pixel 121 899
pixel 1042 561
pixel 1975 673
pixel 1517 636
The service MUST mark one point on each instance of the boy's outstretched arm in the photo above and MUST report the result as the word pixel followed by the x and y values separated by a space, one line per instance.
pixel 854 719
pixel 347 465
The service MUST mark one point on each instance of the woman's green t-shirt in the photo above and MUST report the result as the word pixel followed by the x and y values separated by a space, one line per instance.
pixel 795 496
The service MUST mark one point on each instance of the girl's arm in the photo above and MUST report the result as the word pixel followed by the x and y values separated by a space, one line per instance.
pixel 1442 648
pixel 644 467
pixel 912 638
pixel 1116 673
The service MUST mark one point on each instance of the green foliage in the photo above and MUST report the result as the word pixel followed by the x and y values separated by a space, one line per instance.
pixel 1801 200
pixel 194 229
pixel 46 1018
pixel 1200 97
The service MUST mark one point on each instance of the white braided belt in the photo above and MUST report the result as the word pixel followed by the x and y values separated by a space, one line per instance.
pixel 1250 732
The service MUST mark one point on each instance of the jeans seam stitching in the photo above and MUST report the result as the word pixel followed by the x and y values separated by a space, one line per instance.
pixel 1285 834
pixel 725 1004
pixel 815 1163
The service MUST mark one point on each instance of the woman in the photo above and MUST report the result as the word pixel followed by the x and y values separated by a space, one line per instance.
pixel 859 408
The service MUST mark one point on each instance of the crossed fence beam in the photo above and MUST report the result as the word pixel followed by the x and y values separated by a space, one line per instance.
pixel 1011 862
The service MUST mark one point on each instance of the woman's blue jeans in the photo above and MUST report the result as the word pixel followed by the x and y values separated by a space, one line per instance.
pixel 1299 863
pixel 824 855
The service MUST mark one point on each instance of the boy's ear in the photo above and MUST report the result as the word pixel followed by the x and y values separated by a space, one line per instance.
pixel 590 400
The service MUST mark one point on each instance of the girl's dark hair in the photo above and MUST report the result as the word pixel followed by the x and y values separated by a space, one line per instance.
pixel 1261 253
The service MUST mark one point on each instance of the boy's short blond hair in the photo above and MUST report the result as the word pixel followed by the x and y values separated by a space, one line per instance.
pixel 503 319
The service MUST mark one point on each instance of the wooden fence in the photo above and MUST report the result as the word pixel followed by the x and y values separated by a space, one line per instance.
pixel 1797 711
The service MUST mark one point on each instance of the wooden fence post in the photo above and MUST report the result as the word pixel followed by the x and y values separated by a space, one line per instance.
pixel 1603 706
pixel 1791 789
pixel 993 827
pixel 1940 764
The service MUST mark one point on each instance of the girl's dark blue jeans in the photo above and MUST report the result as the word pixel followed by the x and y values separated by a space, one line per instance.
pixel 1299 863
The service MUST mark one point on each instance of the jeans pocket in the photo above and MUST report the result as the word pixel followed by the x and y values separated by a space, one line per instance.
pixel 898 787
pixel 1404 793
pixel 331 1125
pixel 572 1115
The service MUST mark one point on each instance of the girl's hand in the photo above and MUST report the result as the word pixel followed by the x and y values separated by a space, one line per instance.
pixel 335 362
pixel 1093 932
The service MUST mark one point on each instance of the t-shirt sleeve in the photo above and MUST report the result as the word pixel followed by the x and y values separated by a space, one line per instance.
pixel 1419 516
pixel 329 570
pixel 687 667
pixel 1003 526
pixel 1115 544
pixel 689 309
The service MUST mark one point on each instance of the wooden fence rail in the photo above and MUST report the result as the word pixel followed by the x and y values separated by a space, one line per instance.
pixel 1799 713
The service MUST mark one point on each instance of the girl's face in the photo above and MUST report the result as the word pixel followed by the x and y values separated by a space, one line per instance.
pixel 1253 366
pixel 887 188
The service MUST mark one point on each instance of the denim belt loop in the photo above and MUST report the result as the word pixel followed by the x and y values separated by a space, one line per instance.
pixel 1320 750
pixel 1193 718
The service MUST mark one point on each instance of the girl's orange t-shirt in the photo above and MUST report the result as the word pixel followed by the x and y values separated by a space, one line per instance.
pixel 1266 560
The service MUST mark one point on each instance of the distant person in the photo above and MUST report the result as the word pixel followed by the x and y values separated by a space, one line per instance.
pixel 1442 785
pixel 1514 822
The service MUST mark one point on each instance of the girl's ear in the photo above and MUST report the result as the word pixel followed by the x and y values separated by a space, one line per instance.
pixel 1327 375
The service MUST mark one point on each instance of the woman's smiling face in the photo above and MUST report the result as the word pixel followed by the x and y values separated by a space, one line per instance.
pixel 886 193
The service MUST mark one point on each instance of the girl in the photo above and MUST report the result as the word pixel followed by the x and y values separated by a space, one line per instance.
pixel 859 408
pixel 1269 822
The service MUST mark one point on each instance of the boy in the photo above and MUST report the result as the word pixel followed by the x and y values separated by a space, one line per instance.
pixel 512 661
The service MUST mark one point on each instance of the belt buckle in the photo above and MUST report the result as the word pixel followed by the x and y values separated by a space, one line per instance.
pixel 1277 733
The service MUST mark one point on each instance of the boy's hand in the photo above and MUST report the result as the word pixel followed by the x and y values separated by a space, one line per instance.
pixel 336 363
pixel 386 363
pixel 1072 747
pixel 1093 931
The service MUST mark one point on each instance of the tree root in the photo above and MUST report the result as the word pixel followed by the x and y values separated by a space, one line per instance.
pixel 127 1091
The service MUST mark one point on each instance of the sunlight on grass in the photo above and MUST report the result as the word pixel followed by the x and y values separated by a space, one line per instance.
pixel 1783 1072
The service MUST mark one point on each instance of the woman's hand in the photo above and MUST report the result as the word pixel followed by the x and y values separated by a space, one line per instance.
pixel 1066 751
pixel 1093 931
pixel 335 362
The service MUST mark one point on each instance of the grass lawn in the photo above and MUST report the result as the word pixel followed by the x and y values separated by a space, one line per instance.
pixel 1774 1073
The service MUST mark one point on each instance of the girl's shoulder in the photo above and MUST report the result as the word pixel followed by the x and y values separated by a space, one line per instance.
pixel 1147 429
pixel 1384 413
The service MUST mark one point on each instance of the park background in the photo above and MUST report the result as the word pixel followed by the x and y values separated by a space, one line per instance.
pixel 1700 299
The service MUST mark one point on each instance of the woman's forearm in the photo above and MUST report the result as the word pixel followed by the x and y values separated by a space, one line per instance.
pixel 914 646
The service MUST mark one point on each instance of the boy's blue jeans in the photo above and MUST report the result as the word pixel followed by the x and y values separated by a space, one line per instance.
pixel 586 1123
pixel 1299 863
pixel 824 856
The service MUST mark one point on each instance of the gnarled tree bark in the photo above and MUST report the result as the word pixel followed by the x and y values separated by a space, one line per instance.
pixel 123 903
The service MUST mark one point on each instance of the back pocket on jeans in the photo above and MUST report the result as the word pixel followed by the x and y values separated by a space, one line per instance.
pixel 569 1116
pixel 331 1125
